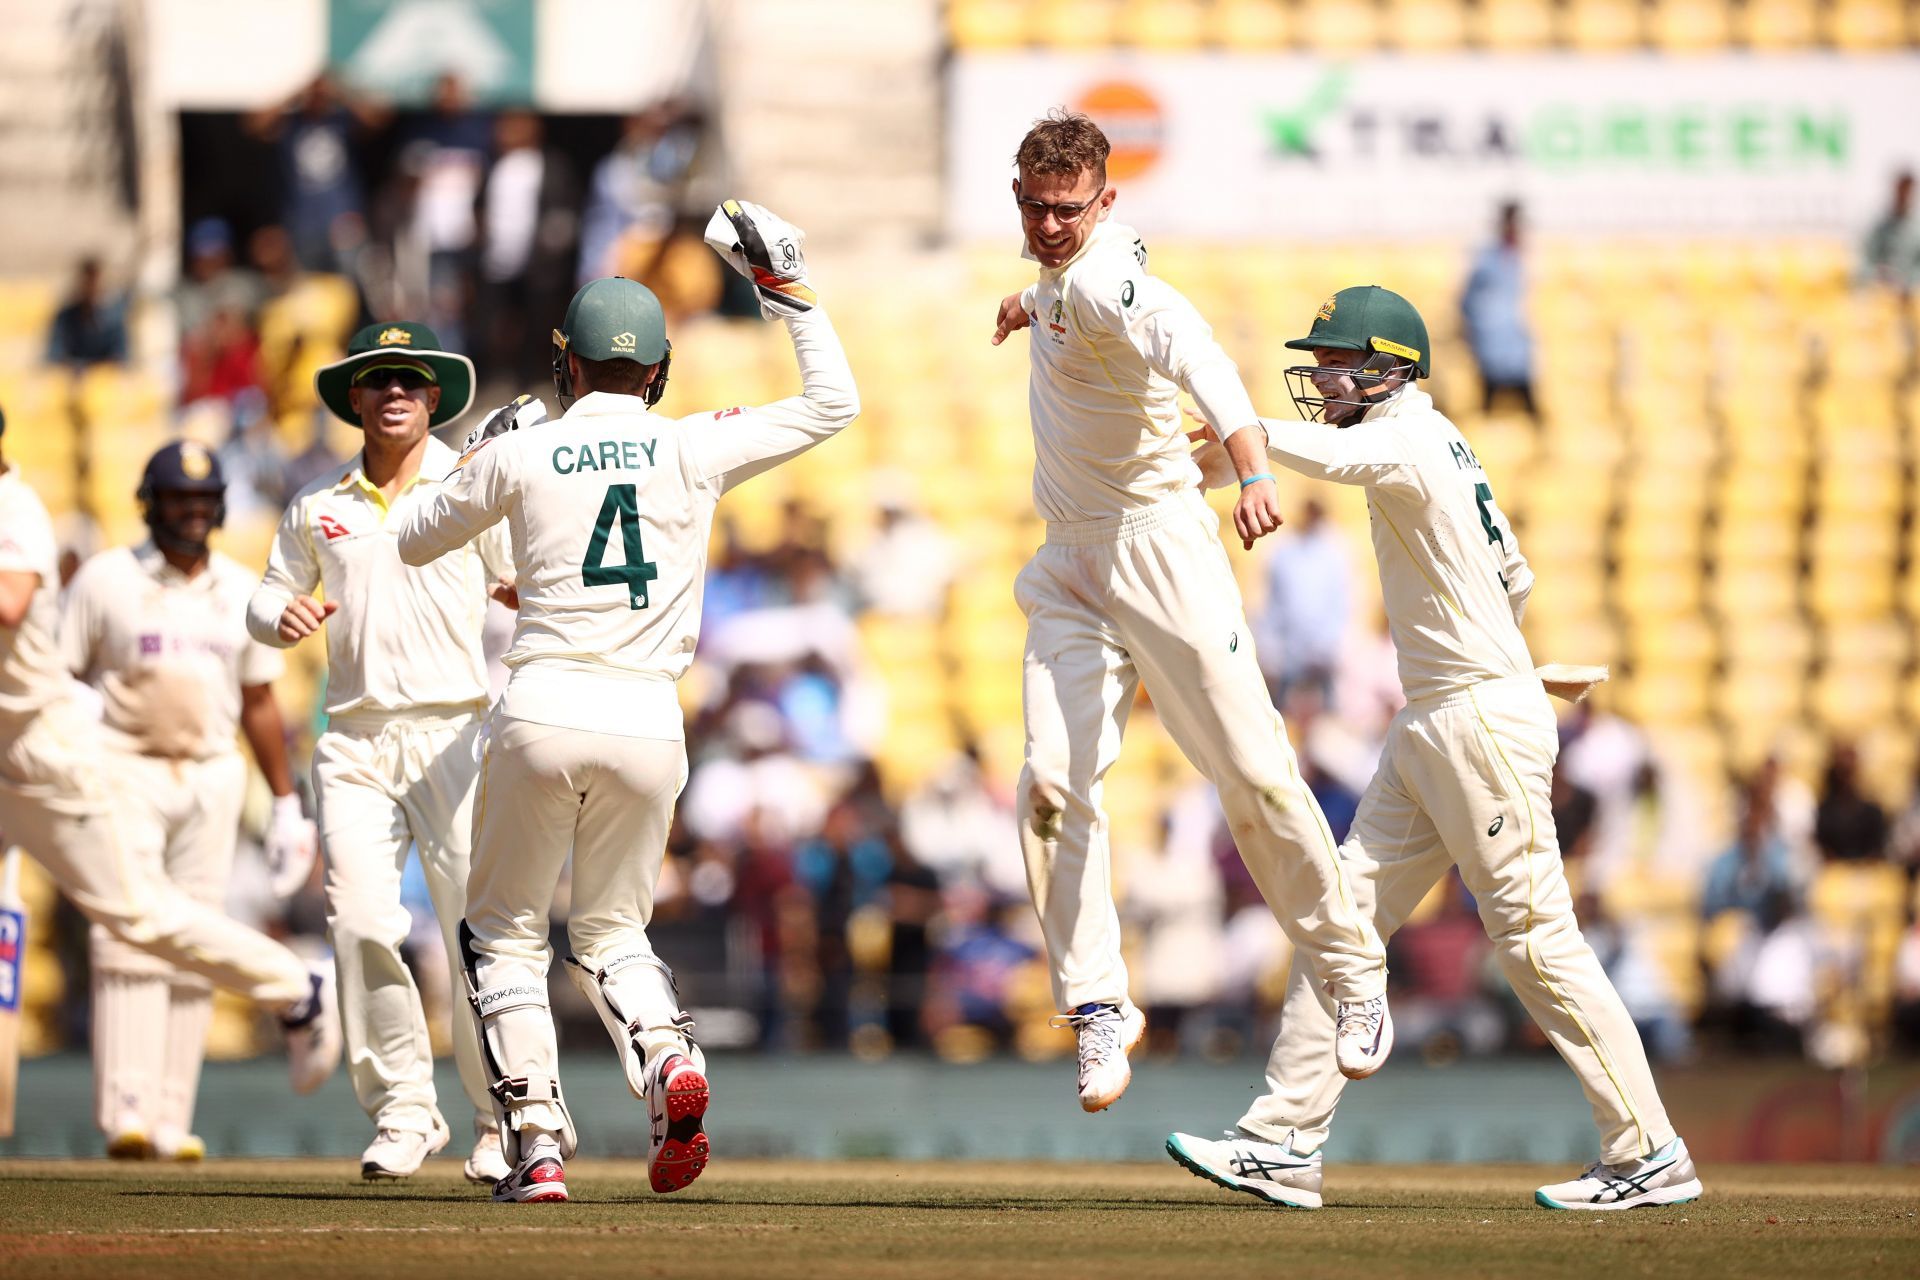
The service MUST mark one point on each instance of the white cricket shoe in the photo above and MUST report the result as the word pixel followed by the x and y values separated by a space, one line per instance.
pixel 399 1153
pixel 129 1139
pixel 1665 1177
pixel 1363 1036
pixel 488 1163
pixel 1108 1033
pixel 677 1097
pixel 179 1147
pixel 1269 1170
pixel 540 1178
pixel 313 1034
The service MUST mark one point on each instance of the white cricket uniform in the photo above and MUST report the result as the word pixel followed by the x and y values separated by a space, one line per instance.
pixel 609 508
pixel 56 784
pixel 1465 776
pixel 169 655
pixel 1133 583
pixel 406 689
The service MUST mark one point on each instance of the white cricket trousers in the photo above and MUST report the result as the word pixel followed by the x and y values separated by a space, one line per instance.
pixel 385 781
pixel 1151 595
pixel 180 819
pixel 1465 779
pixel 544 790
pixel 55 792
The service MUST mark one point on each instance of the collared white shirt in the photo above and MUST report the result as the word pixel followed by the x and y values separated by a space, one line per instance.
pixel 1451 574
pixel 31 672
pixel 403 637
pixel 609 508
pixel 1111 349
pixel 168 653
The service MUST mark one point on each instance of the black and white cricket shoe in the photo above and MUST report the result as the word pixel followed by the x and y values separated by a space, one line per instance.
pixel 541 1178
pixel 1268 1170
pixel 1665 1177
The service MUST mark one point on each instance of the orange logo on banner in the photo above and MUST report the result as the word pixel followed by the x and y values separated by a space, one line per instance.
pixel 1133 122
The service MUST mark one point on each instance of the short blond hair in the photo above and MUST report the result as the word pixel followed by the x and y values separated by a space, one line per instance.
pixel 1064 143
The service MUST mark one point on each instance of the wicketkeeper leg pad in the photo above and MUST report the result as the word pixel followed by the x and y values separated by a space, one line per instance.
pixel 639 1004
pixel 518 1047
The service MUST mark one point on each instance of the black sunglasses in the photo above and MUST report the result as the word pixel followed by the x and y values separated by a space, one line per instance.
pixel 409 379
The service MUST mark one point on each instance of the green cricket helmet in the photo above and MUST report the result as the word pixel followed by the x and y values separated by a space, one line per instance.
pixel 1369 319
pixel 612 318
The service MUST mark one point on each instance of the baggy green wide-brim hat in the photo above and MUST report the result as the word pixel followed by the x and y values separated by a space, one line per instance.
pixel 1369 318
pixel 453 372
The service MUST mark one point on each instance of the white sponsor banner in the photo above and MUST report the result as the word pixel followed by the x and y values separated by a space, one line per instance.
pixel 1233 147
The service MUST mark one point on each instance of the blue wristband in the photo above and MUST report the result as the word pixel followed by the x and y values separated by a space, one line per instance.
pixel 1264 475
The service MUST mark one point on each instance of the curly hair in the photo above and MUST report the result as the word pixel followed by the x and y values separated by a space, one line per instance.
pixel 1064 143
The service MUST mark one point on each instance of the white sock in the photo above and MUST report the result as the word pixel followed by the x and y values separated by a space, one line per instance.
pixel 539 1144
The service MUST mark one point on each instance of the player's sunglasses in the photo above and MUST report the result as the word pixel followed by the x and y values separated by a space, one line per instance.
pixel 380 376
pixel 1066 214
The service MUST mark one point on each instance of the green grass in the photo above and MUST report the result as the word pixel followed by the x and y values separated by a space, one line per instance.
pixel 779 1219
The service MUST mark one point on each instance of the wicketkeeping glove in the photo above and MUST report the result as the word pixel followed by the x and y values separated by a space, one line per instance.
pixel 766 250
pixel 291 845
pixel 521 411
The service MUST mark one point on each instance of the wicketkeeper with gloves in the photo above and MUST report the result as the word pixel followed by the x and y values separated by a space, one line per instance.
pixel 406 692
pixel 610 508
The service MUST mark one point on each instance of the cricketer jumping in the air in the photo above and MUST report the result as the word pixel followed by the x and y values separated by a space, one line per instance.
pixel 609 508
pixel 1464 777
pixel 1133 583
pixel 406 691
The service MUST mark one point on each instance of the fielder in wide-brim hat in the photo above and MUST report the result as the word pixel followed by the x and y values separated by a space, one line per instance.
pixel 399 343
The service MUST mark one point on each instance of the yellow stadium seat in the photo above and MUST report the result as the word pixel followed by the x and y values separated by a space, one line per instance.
pixel 1690 26
pixel 1339 26
pixel 1659 590
pixel 1425 26
pixel 1250 24
pixel 1776 640
pixel 1737 592
pixel 1511 25
pixel 1167 25
pixel 1776 25
pixel 1684 643
pixel 1662 697
pixel 1076 24
pixel 1865 26
pixel 978 25
pixel 1845 589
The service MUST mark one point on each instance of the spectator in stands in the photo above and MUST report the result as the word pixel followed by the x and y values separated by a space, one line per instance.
pixel 961 829
pixel 529 222
pixel 1756 866
pixel 212 281
pixel 1301 628
pixel 220 360
pixel 1903 846
pixel 1493 308
pixel 1891 254
pixel 634 198
pixel 1440 1005
pixel 907 566
pixel 1175 899
pixel 913 903
pixel 1849 826
pixel 323 197
pixel 446 155
pixel 91 327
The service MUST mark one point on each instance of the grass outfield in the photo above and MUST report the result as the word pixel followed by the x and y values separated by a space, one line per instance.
pixel 314 1218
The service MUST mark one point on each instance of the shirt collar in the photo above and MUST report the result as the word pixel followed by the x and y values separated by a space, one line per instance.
pixel 1104 231
pixel 155 565
pixel 435 463
pixel 1409 402
pixel 601 404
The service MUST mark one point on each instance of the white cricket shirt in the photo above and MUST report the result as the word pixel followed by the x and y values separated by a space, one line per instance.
pixel 31 672
pixel 1112 347
pixel 404 636
pixel 609 508
pixel 168 653
pixel 1451 573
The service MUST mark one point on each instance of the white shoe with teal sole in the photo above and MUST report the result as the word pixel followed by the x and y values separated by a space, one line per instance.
pixel 1269 1170
pixel 1665 1177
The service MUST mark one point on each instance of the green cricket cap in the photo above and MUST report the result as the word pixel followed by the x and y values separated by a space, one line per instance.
pixel 1369 318
pixel 393 342
pixel 614 318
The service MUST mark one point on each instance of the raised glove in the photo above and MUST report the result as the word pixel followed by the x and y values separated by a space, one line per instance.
pixel 766 250
pixel 291 845
pixel 521 411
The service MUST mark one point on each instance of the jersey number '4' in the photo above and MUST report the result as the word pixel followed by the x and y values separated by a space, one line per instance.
pixel 621 506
